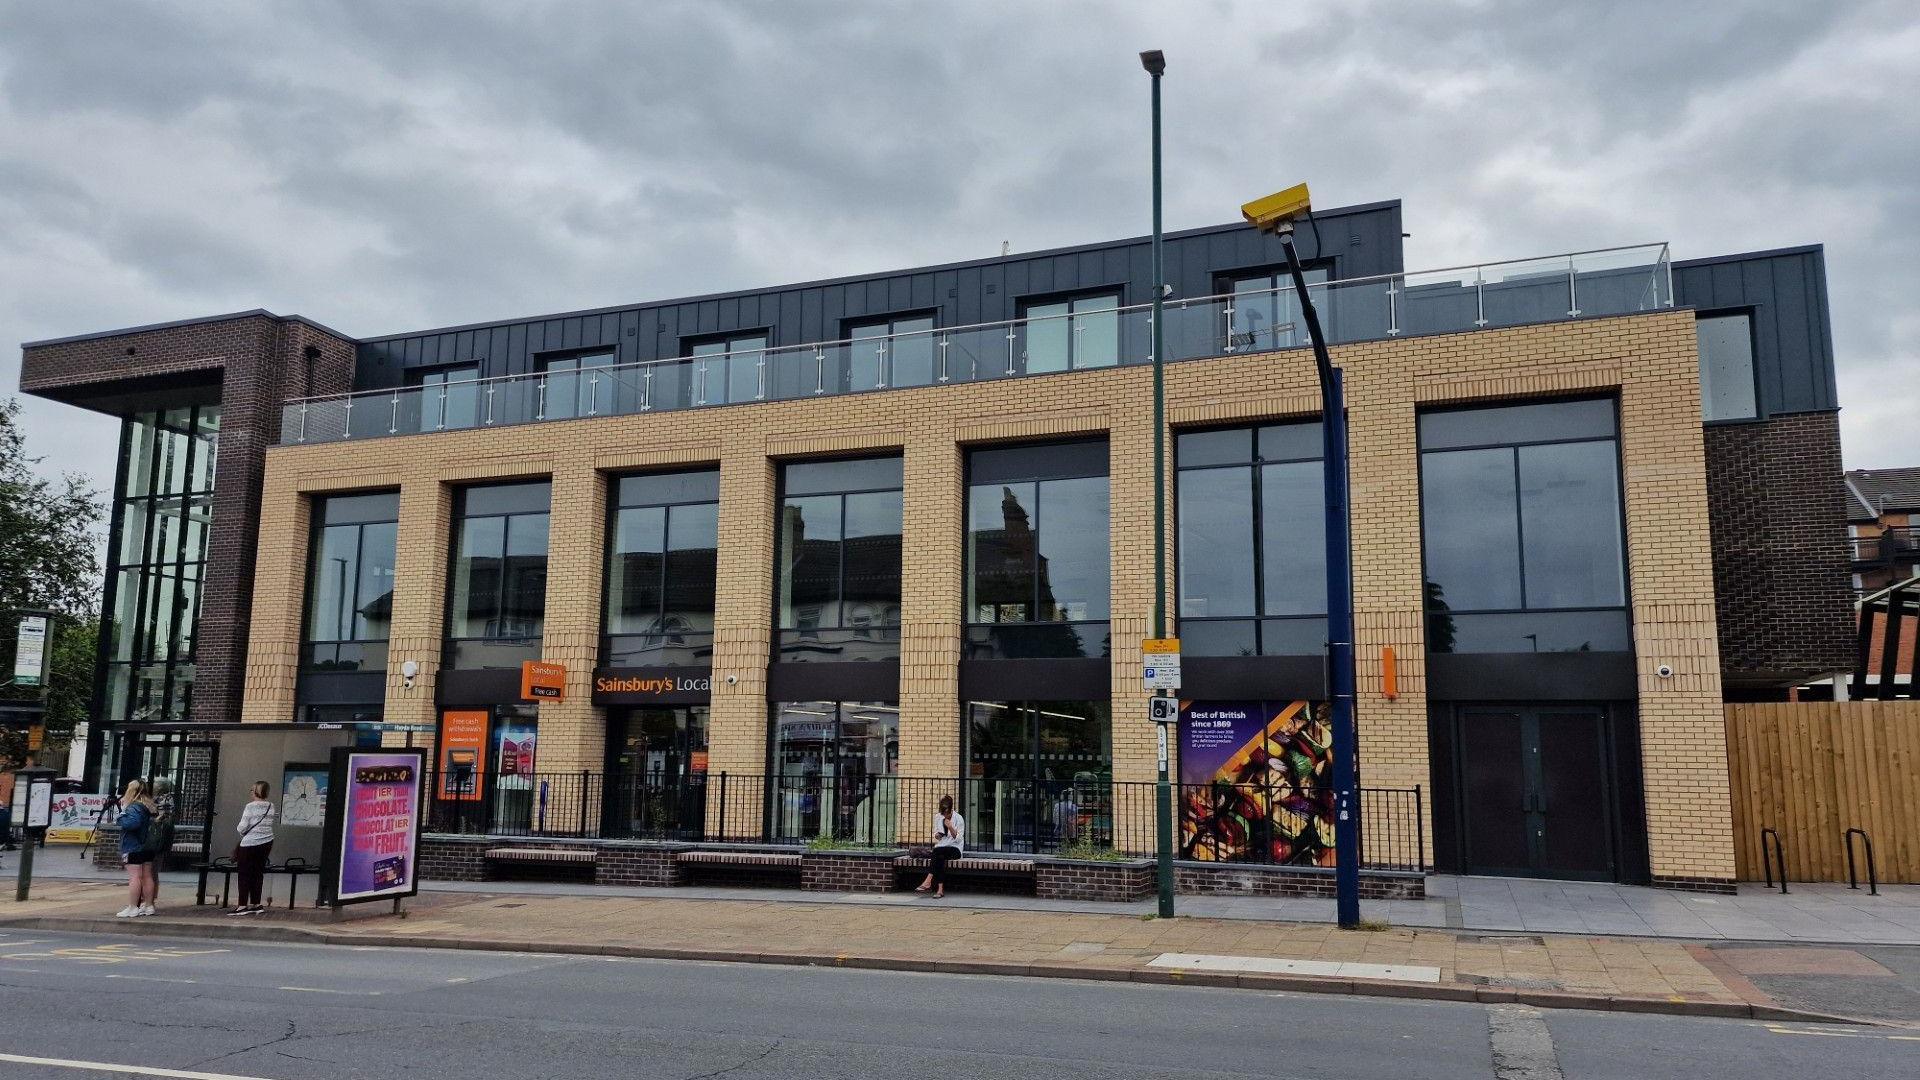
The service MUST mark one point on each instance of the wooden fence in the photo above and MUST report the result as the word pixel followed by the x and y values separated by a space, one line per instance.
pixel 1812 770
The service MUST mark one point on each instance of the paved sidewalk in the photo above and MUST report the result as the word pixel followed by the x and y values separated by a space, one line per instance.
pixel 954 935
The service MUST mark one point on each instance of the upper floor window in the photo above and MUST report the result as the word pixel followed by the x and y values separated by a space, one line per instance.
pixel 1263 311
pixel 893 351
pixel 1037 550
pixel 1252 533
pixel 838 586
pixel 1074 333
pixel 571 385
pixel 350 582
pixel 1728 390
pixel 496 607
pixel 1521 514
pixel 448 397
pixel 729 367
pixel 663 540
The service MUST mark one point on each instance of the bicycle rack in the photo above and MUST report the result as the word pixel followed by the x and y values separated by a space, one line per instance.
pixel 1853 881
pixel 1767 858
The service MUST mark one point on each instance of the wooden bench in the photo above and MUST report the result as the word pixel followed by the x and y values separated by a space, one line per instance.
pixel 567 862
pixel 779 868
pixel 1016 875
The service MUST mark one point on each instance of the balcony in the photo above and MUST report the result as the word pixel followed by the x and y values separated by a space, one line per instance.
pixel 1587 284
pixel 1895 544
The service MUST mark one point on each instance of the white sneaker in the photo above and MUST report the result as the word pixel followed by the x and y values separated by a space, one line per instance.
pixel 145 909
pixel 126 913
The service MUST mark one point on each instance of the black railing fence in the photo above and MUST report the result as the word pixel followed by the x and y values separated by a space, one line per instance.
pixel 1089 817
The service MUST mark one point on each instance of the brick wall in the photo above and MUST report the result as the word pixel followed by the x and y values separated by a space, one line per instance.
pixel 1058 879
pixel 847 871
pixel 1648 360
pixel 1202 880
pixel 257 361
pixel 1779 542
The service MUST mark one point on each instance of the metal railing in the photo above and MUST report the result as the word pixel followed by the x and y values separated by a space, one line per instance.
pixel 1894 543
pixel 1607 281
pixel 1087 817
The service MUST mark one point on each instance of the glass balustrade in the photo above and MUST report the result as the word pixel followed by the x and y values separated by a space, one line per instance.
pixel 1612 281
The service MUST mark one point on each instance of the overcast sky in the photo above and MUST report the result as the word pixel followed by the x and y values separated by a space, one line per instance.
pixel 386 167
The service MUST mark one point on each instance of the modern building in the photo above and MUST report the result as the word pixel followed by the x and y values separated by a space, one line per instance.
pixel 900 525
pixel 1883 526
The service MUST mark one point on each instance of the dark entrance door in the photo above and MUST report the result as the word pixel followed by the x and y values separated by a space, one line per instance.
pixel 1534 793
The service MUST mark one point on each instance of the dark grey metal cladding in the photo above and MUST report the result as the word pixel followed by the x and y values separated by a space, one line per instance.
pixel 1361 241
pixel 1786 290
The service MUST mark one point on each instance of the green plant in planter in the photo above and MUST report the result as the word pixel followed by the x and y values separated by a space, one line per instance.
pixel 1088 851
pixel 835 843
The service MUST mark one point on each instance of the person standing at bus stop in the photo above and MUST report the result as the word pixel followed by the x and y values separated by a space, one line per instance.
pixel 137 814
pixel 256 843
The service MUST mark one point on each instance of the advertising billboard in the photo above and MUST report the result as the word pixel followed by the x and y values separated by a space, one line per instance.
pixel 1255 782
pixel 373 824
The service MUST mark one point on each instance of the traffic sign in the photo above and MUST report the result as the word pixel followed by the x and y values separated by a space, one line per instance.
pixel 1160 659
pixel 1163 710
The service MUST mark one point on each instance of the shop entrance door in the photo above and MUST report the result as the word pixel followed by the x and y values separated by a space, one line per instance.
pixel 1534 792
pixel 657 773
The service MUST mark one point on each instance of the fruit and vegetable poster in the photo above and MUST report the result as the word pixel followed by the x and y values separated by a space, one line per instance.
pixel 1255 782
pixel 374 817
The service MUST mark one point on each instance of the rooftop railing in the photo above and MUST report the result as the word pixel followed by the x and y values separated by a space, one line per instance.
pixel 1585 284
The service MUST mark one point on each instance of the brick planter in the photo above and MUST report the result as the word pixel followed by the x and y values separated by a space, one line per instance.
pixel 847 871
pixel 1217 879
pixel 649 865
pixel 1068 879
pixel 106 848
pixel 453 858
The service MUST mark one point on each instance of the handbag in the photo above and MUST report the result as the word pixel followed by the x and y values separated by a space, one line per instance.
pixel 920 851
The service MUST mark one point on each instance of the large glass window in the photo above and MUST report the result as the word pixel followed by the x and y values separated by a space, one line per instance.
pixel 449 397
pixel 496 606
pixel 1264 312
pixel 1080 332
pixel 663 538
pixel 838 586
pixel 894 351
pixel 1521 513
pixel 1037 551
pixel 1253 563
pixel 1038 774
pixel 657 773
pixel 157 561
pixel 574 385
pixel 350 582
pixel 1727 387
pixel 831 768
pixel 730 368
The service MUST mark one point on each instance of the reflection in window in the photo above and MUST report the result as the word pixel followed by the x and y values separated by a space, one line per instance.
pixel 890 352
pixel 449 397
pixel 350 582
pixel 1521 516
pixel 1727 387
pixel 1265 310
pixel 1244 491
pixel 157 561
pixel 832 768
pixel 838 587
pixel 1038 774
pixel 497 605
pixel 573 386
pixel 730 368
pixel 1037 551
pixel 662 557
pixel 1062 335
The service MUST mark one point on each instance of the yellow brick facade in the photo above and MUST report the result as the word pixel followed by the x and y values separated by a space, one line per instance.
pixel 1648 360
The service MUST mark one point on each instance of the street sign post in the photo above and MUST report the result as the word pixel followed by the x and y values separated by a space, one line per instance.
pixel 37 784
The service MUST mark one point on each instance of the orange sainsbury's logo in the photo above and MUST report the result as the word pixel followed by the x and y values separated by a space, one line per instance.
pixel 616 684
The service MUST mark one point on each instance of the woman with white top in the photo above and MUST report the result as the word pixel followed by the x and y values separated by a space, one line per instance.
pixel 256 843
pixel 949 840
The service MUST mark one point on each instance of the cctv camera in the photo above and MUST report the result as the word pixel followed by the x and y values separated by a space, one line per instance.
pixel 732 679
pixel 1665 671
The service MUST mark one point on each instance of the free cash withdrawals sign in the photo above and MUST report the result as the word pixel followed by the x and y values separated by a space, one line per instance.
pixel 373 832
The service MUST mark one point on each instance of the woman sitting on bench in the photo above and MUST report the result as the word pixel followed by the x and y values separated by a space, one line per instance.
pixel 949 839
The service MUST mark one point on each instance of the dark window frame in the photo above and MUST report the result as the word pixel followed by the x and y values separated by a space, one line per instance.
pixel 317 526
pixel 1752 314
pixel 1254 464
pixel 459 519
pixel 697 379
pixel 851 323
pixel 1420 493
pixel 1022 305
pixel 614 506
pixel 967 483
pixel 779 554
pixel 542 369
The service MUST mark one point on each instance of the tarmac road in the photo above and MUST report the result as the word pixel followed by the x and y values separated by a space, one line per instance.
pixel 100 1005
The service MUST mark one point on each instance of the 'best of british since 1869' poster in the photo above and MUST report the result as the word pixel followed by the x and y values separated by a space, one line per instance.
pixel 1254 784
pixel 378 798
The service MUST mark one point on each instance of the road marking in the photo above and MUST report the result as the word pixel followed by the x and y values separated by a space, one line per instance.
pixel 113 953
pixel 107 1067
pixel 147 978
pixel 1842 1034
pixel 324 990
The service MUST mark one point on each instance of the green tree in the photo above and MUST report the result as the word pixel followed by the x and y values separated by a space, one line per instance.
pixel 49 560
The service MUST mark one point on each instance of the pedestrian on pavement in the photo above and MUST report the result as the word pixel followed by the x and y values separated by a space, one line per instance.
pixel 256 843
pixel 949 840
pixel 6 805
pixel 137 813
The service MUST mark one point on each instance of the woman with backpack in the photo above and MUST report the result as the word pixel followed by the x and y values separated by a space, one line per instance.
pixel 138 821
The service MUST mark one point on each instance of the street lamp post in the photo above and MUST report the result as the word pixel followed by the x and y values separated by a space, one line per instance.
pixel 1276 214
pixel 1155 63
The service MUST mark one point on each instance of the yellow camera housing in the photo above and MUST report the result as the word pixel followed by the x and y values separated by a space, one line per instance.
pixel 1278 208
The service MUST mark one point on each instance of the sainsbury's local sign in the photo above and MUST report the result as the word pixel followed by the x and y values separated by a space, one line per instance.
pixel 616 686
